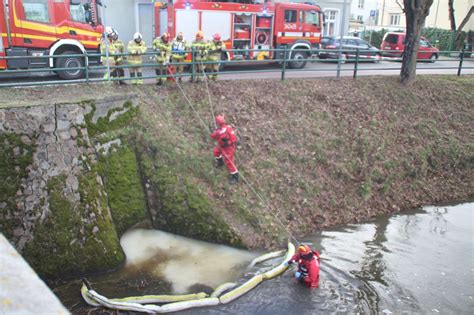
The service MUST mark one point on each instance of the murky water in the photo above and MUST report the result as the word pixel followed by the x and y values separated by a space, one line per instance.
pixel 420 262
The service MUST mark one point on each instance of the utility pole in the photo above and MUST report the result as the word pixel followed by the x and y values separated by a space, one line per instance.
pixel 343 22
pixel 383 13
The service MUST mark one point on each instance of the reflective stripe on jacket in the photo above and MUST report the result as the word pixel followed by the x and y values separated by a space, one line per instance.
pixel 136 50
pixel 163 50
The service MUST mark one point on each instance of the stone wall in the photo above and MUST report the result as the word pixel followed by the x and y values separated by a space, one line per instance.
pixel 51 165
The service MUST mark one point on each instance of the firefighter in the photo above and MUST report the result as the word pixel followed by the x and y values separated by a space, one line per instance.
pixel 200 48
pixel 136 48
pixel 107 43
pixel 119 60
pixel 178 48
pixel 308 266
pixel 162 47
pixel 216 47
pixel 225 148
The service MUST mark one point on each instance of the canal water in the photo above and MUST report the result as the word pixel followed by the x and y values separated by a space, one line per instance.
pixel 418 262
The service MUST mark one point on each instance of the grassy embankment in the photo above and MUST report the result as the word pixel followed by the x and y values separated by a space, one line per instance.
pixel 321 152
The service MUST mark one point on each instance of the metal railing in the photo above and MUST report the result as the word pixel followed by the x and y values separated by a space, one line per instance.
pixel 286 65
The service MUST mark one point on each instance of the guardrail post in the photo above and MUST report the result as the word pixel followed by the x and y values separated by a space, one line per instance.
pixel 87 66
pixel 461 59
pixel 356 64
pixel 193 65
pixel 283 69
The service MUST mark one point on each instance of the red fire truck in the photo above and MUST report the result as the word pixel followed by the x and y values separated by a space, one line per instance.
pixel 259 27
pixel 34 28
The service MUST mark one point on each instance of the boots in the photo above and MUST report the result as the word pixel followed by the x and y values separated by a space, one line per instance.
pixel 234 178
pixel 219 162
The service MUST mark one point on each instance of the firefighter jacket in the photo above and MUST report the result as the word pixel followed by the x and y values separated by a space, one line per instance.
pixel 308 266
pixel 225 136
pixel 178 48
pixel 200 50
pixel 162 49
pixel 103 50
pixel 136 50
pixel 119 49
pixel 215 50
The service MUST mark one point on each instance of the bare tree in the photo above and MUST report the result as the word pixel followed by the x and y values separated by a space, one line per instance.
pixel 457 40
pixel 452 18
pixel 416 12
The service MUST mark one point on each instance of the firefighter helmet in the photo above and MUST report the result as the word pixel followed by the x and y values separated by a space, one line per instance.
pixel 199 35
pixel 220 120
pixel 216 36
pixel 304 249
pixel 108 30
pixel 115 34
pixel 137 37
pixel 165 37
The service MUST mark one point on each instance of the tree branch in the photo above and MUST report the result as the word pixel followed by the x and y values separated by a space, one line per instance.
pixel 466 19
pixel 400 5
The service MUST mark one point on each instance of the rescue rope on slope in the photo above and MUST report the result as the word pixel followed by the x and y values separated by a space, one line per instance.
pixel 140 304
pixel 262 200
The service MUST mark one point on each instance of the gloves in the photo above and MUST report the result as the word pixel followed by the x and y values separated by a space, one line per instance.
pixel 297 275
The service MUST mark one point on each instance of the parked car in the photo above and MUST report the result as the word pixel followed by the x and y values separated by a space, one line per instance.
pixel 330 46
pixel 393 45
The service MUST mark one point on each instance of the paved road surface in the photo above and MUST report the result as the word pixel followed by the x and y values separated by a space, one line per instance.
pixel 315 68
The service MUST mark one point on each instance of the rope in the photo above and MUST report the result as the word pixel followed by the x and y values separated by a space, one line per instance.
pixel 209 95
pixel 259 196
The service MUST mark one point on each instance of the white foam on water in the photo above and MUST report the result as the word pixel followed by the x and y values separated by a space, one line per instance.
pixel 183 261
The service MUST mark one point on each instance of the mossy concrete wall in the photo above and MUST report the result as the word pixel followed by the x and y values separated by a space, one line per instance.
pixel 54 205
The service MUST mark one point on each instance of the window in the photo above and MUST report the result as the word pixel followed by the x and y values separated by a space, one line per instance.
pixel 36 10
pixel 290 16
pixel 331 25
pixel 331 15
pixel 424 43
pixel 361 4
pixel 395 19
pixel 360 18
pixel 312 17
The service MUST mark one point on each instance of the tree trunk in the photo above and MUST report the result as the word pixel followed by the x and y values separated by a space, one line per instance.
pixel 452 18
pixel 416 12
pixel 457 41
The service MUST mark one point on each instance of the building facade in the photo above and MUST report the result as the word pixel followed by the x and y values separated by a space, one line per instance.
pixel 388 14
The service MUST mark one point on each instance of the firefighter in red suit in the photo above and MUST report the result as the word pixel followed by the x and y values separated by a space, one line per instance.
pixel 225 148
pixel 308 266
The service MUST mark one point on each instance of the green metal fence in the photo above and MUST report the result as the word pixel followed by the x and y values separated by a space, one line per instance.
pixel 285 64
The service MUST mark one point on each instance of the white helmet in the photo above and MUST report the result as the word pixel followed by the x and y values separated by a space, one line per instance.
pixel 137 36
pixel 109 30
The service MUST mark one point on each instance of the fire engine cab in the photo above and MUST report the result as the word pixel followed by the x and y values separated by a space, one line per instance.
pixel 34 28
pixel 256 27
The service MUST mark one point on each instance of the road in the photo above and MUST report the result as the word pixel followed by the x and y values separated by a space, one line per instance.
pixel 314 68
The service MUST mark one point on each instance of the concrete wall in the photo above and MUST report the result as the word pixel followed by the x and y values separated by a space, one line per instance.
pixel 22 292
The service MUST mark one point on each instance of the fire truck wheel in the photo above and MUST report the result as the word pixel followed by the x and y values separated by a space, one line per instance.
pixel 298 60
pixel 70 62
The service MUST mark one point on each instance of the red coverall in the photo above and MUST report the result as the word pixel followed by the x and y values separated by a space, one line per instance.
pixel 308 266
pixel 226 143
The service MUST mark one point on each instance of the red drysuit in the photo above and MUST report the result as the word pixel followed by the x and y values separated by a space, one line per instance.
pixel 226 143
pixel 308 266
